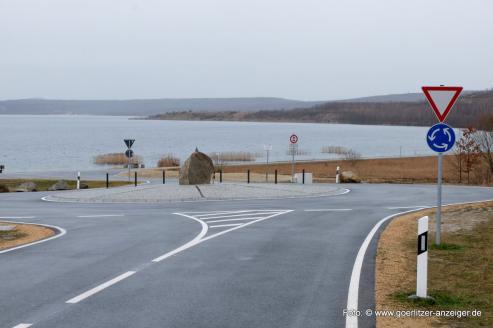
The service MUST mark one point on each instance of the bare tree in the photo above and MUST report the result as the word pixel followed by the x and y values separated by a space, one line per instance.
pixel 469 150
pixel 484 138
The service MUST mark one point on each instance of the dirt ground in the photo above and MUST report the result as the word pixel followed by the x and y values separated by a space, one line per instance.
pixel 23 234
pixel 460 274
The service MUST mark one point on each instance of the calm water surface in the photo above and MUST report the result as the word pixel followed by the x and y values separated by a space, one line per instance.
pixel 53 142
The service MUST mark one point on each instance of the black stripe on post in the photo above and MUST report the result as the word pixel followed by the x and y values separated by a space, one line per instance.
pixel 422 242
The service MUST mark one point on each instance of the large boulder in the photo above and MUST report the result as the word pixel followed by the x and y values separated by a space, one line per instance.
pixel 197 169
pixel 349 177
pixel 26 187
pixel 60 185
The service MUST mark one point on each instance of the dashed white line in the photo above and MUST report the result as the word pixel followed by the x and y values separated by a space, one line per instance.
pixel 100 215
pixel 226 225
pixel 236 215
pixel 329 210
pixel 23 325
pixel 99 288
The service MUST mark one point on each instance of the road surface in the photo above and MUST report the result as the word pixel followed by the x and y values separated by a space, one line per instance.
pixel 249 263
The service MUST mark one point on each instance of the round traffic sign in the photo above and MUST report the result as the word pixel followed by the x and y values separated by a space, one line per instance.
pixel 293 139
pixel 440 138
pixel 129 153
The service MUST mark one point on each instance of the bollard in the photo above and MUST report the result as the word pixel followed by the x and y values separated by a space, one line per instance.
pixel 303 177
pixel 220 176
pixel 164 176
pixel 107 180
pixel 338 178
pixel 275 176
pixel 248 176
pixel 78 180
pixel 135 179
pixel 422 262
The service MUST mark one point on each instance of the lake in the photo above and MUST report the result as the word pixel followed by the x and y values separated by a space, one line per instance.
pixel 67 142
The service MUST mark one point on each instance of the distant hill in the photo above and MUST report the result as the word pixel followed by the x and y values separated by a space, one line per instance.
pixel 144 107
pixel 467 112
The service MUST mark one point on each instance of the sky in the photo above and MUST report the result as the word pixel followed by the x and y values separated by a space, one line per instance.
pixel 305 49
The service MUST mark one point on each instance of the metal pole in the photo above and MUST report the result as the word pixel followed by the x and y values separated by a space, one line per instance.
pixel 107 180
pixel 267 168
pixel 128 167
pixel 220 176
pixel 292 167
pixel 439 202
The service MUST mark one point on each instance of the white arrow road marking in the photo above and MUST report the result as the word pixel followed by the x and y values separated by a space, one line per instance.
pixel 99 288
pixel 23 325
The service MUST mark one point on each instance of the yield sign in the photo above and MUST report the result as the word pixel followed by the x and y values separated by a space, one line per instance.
pixel 442 99
pixel 129 142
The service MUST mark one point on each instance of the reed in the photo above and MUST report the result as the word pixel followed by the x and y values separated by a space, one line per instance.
pixel 168 161
pixel 116 159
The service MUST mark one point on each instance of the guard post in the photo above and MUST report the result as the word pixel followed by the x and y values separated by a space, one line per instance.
pixel 248 176
pixel 422 261
pixel 275 177
pixel 303 177
pixel 338 177
pixel 107 180
pixel 78 180
pixel 164 176
pixel 135 179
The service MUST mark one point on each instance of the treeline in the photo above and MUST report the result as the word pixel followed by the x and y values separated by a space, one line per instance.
pixel 467 112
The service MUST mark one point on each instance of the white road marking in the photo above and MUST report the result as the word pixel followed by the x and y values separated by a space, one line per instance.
pixel 236 215
pixel 60 233
pixel 99 288
pixel 100 216
pixel 191 243
pixel 226 225
pixel 23 325
pixel 200 237
pixel 17 217
pixel 329 210
pixel 240 219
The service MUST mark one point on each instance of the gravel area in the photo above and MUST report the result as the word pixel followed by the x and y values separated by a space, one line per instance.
pixel 167 193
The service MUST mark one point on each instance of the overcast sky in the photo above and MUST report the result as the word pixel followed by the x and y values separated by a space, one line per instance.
pixel 305 49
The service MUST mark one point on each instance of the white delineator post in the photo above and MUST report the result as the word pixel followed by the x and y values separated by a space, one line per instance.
pixel 422 263
pixel 78 180
pixel 338 177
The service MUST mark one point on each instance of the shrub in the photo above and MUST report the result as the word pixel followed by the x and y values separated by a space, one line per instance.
pixel 233 156
pixel 334 150
pixel 168 161
pixel 3 188
pixel 116 159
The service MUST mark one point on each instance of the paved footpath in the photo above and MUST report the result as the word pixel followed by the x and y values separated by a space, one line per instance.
pixel 284 262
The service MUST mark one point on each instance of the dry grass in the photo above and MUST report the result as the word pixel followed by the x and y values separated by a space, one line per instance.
pixel 168 161
pixel 385 170
pixel 23 234
pixel 460 272
pixel 334 150
pixel 233 156
pixel 116 159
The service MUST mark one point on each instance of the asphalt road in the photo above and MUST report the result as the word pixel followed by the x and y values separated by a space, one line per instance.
pixel 257 263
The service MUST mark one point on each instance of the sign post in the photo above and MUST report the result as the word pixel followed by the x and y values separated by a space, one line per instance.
pixel 440 137
pixel 129 153
pixel 267 149
pixel 293 148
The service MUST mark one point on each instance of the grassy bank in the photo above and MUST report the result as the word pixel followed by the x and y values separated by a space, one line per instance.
pixel 384 170
pixel 45 184
pixel 460 273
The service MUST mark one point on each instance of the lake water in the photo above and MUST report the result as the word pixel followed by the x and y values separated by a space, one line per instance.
pixel 62 142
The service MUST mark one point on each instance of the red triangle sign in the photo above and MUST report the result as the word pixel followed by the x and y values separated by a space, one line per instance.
pixel 442 99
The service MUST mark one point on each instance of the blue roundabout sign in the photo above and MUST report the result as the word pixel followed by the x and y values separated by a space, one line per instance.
pixel 440 138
